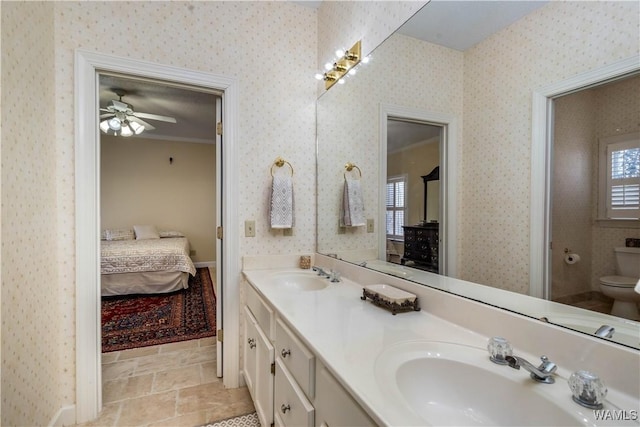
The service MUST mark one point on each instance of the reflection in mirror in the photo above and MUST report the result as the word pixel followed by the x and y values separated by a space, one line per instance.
pixel 497 81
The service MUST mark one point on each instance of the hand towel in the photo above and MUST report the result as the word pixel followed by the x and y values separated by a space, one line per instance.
pixel 281 205
pixel 352 209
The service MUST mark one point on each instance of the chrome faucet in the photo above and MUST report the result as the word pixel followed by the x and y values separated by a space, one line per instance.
pixel 334 276
pixel 605 331
pixel 362 264
pixel 542 373
pixel 320 271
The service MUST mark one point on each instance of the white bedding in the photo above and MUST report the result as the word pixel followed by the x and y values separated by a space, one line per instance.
pixel 134 256
pixel 145 266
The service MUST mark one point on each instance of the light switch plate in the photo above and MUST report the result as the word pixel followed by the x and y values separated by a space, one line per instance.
pixel 370 225
pixel 250 228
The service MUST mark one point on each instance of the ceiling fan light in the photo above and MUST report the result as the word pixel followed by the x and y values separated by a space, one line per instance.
pixel 126 130
pixel 114 124
pixel 104 126
pixel 136 127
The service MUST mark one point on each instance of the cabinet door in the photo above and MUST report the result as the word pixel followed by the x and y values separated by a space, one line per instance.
pixel 249 352
pixel 258 359
pixel 292 407
pixel 263 397
pixel 334 405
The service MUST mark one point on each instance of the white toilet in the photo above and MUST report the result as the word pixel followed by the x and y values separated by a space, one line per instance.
pixel 621 286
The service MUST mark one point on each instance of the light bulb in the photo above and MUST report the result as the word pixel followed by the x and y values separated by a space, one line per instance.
pixel 136 127
pixel 352 72
pixel 319 76
pixel 339 53
pixel 341 81
pixel 126 130
pixel 328 66
pixel 366 59
pixel 104 126
pixel 114 124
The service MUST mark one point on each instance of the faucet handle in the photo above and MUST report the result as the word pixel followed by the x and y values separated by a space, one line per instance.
pixel 499 348
pixel 547 366
pixel 588 389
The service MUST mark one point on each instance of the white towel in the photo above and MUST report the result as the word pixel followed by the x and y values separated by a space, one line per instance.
pixel 281 205
pixel 352 210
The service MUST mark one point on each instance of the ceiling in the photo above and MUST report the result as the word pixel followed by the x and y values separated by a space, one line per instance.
pixel 455 24
pixel 194 109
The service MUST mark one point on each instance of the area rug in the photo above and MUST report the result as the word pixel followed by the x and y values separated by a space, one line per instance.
pixel 249 420
pixel 142 320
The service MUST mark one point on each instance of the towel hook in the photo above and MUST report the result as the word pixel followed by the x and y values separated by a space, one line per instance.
pixel 280 162
pixel 349 167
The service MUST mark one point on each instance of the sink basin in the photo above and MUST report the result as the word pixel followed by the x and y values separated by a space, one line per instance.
pixel 300 281
pixel 452 384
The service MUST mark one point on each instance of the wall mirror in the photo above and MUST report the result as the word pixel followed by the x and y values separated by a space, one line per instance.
pixel 426 80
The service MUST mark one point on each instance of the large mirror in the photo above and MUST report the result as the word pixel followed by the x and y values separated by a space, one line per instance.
pixel 439 127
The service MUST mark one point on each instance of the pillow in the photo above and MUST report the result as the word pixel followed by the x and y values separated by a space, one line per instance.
pixel 118 234
pixel 170 234
pixel 144 232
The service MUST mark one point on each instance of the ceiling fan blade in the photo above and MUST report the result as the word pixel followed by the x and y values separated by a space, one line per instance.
pixel 155 117
pixel 104 116
pixel 105 109
pixel 141 122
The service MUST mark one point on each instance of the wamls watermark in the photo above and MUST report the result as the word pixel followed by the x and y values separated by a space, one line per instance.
pixel 615 415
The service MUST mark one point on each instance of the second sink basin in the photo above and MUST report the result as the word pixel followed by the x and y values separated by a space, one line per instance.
pixel 453 384
pixel 300 281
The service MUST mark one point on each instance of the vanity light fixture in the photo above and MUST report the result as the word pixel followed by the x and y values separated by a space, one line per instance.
pixel 340 67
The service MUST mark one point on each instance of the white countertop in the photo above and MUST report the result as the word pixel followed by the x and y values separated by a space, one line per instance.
pixel 348 334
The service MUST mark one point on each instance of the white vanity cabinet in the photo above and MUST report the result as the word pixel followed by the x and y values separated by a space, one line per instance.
pixel 288 385
pixel 258 363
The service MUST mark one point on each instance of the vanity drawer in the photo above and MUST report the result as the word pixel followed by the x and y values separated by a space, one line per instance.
pixel 296 357
pixel 291 407
pixel 264 315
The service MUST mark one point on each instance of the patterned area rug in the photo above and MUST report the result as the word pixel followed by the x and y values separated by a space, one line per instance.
pixel 249 420
pixel 142 320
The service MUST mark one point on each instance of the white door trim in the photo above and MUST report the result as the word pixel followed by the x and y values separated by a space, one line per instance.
pixel 541 145
pixel 448 157
pixel 87 181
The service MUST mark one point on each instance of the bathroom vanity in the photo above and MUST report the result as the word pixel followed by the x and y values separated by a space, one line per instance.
pixel 316 354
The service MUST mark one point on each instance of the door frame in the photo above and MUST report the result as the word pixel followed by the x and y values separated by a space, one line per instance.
pixel 541 165
pixel 87 216
pixel 449 180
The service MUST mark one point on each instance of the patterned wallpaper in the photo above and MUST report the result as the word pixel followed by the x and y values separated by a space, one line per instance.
pixel 574 143
pixel 32 340
pixel 551 44
pixel 250 41
pixel 342 23
pixel 435 85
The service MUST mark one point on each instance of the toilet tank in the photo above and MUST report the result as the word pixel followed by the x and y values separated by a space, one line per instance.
pixel 628 261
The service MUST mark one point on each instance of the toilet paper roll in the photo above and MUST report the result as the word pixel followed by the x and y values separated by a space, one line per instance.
pixel 571 258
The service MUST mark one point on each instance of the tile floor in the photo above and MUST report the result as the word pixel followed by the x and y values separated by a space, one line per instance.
pixel 167 385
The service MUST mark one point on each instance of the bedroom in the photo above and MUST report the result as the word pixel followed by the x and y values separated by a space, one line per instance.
pixel 162 183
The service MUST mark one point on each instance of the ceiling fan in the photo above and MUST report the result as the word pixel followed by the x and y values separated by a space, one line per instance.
pixel 120 119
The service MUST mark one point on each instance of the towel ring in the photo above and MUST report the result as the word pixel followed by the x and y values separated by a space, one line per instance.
pixel 280 162
pixel 349 167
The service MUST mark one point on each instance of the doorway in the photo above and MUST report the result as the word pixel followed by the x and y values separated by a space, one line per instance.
pixel 443 127
pixel 88 345
pixel 541 165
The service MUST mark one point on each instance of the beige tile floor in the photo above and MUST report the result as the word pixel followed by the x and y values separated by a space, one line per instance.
pixel 167 385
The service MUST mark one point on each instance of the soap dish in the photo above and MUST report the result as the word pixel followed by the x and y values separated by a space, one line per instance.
pixel 393 299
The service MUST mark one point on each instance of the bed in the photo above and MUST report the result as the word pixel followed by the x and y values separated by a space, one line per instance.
pixel 145 266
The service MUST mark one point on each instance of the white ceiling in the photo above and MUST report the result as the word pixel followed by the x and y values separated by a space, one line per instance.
pixel 454 24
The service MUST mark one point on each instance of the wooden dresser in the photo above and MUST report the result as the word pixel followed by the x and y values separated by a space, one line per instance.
pixel 421 244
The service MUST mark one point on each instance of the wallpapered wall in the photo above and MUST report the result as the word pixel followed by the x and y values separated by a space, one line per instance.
pixel 140 186
pixel 246 40
pixel 434 84
pixel 32 340
pixel 500 75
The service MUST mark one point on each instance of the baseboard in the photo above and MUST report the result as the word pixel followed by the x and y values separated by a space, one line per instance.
pixel 66 416
pixel 203 264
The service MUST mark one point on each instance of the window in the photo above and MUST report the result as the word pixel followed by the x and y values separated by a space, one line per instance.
pixel 622 181
pixel 396 206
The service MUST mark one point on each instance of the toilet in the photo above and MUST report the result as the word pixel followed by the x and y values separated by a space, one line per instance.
pixel 621 286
